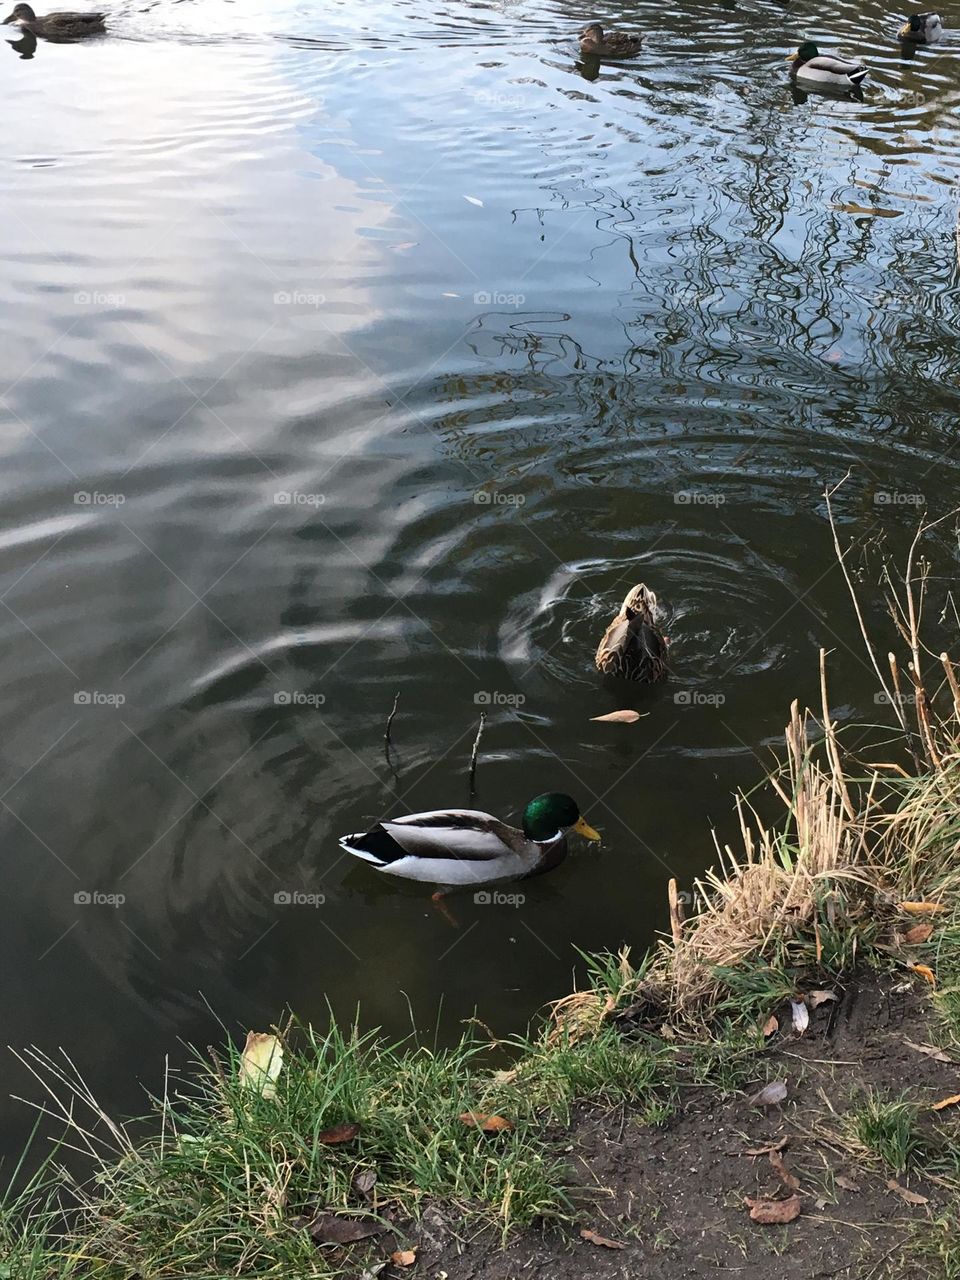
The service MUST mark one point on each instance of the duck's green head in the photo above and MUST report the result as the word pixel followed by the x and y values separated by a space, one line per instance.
pixel 547 815
pixel 806 51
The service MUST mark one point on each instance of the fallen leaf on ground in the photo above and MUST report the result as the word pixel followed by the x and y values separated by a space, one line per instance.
pixel 770 1095
pixel 403 1257
pixel 771 1025
pixel 765 1151
pixel 774 1211
pixel 619 717
pixel 260 1063
pixel 946 1102
pixel 782 1172
pixel 924 971
pixel 345 1132
pixel 930 1050
pixel 667 1032
pixel 911 1197
pixel 489 1124
pixel 801 1016
pixel 816 998
pixel 919 933
pixel 923 908
pixel 365 1181
pixel 592 1236
pixel 848 1184
pixel 331 1228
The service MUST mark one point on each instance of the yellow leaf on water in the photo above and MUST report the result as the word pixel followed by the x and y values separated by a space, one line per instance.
pixel 619 717
pixel 946 1102
pixel 261 1062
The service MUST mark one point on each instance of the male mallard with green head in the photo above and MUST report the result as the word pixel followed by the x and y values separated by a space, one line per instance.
pixel 822 68
pixel 922 28
pixel 633 647
pixel 53 26
pixel 464 848
pixel 594 43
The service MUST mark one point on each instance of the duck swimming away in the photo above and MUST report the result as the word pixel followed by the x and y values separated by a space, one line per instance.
pixel 633 646
pixel 922 28
pixel 615 44
pixel 63 26
pixel 464 848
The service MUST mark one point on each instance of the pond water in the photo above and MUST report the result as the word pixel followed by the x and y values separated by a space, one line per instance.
pixel 357 349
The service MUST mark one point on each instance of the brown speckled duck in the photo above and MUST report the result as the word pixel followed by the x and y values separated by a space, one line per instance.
pixel 56 26
pixel 613 45
pixel 633 647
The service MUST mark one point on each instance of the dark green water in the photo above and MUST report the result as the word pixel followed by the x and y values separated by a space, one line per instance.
pixel 509 339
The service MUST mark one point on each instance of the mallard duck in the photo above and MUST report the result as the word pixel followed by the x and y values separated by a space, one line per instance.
pixel 62 26
pixel 615 44
pixel 633 646
pixel 464 847
pixel 821 68
pixel 922 28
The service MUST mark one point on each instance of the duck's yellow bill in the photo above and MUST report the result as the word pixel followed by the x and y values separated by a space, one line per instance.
pixel 791 57
pixel 584 829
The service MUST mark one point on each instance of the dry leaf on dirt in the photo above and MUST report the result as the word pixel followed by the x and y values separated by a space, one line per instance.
pixel 770 1095
pixel 774 1211
pixel 946 1102
pixel 930 1050
pixel 403 1257
pixel 919 933
pixel 800 1015
pixel 260 1063
pixel 923 908
pixel 816 998
pixel 771 1025
pixel 667 1032
pixel 594 1238
pixel 765 1151
pixel 924 971
pixel 782 1172
pixel 848 1184
pixel 345 1132
pixel 911 1197
pixel 619 717
pixel 489 1124
pixel 331 1228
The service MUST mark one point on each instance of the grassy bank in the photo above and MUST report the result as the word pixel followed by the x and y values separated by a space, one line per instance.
pixel 417 1151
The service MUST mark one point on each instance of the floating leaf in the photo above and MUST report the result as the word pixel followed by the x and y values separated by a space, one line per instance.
pixel 334 1228
pixel 919 933
pixel 946 1102
pixel 771 1025
pixel 868 210
pixel 260 1063
pixel 450 295
pixel 930 1050
pixel 765 1151
pixel 774 1211
pixel 801 1016
pixel 770 1095
pixel 345 1132
pixel 816 998
pixel 782 1172
pixel 489 1124
pixel 618 717
pixel 474 200
pixel 403 1257
pixel 923 908
pixel 848 1184
pixel 911 1197
pixel 925 972
pixel 594 1238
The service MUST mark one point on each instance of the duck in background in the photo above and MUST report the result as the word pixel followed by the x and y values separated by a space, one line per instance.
pixel 922 28
pixel 633 646
pixel 56 26
pixel 814 67
pixel 612 45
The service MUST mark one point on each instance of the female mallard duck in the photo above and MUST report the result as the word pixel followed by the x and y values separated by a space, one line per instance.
pixel 615 44
pixel 62 26
pixel 820 68
pixel 633 646
pixel 922 28
pixel 463 847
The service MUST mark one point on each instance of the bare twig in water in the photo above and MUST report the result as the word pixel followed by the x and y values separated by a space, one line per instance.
pixel 476 748
pixel 386 732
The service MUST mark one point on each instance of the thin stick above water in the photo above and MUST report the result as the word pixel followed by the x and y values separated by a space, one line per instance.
pixel 476 748
pixel 393 712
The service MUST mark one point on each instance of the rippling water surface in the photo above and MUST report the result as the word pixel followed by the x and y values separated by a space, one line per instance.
pixel 354 349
